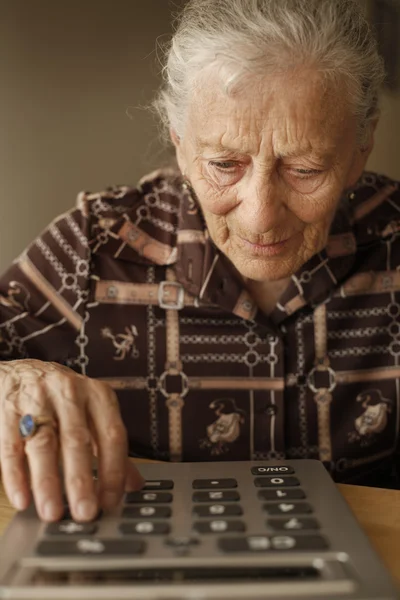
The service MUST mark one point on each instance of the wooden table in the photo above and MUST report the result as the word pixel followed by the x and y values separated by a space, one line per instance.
pixel 377 511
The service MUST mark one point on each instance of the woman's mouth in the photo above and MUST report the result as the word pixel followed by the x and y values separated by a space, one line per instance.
pixel 273 249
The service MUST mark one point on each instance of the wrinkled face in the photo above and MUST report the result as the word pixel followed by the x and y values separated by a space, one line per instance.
pixel 269 165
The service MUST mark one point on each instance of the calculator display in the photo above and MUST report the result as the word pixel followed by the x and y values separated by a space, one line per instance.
pixel 182 575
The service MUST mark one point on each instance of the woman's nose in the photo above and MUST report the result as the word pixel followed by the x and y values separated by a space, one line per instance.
pixel 261 209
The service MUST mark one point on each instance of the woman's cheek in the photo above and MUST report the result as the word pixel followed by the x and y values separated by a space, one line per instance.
pixel 216 201
pixel 321 206
pixel 314 209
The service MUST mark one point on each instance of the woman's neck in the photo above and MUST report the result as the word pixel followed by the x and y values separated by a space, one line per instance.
pixel 266 293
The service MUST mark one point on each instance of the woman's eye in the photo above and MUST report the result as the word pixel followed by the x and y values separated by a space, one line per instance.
pixel 306 173
pixel 225 172
pixel 305 181
pixel 227 165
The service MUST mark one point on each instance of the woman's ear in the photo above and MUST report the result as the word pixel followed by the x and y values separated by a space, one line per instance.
pixel 369 144
pixel 174 137
pixel 177 142
pixel 361 157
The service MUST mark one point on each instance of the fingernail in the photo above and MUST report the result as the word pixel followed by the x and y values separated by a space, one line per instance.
pixel 19 501
pixel 141 483
pixel 110 499
pixel 86 509
pixel 50 511
pixel 135 484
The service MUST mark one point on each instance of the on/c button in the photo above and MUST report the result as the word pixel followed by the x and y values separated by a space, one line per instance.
pixel 273 470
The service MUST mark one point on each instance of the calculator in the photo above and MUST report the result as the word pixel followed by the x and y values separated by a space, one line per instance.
pixel 202 531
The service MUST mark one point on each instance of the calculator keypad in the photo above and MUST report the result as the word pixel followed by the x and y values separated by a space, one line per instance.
pixel 215 511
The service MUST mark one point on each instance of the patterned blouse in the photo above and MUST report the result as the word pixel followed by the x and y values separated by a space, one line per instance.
pixel 129 288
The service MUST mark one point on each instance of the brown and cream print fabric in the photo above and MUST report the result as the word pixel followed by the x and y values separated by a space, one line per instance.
pixel 129 288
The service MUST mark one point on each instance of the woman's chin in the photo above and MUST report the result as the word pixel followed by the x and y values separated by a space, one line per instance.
pixel 268 268
pixel 257 270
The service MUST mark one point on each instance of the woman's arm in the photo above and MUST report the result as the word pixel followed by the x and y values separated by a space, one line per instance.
pixel 42 308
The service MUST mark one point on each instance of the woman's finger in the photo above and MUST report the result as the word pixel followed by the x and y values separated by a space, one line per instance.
pixel 134 480
pixel 42 452
pixel 69 395
pixel 12 458
pixel 42 449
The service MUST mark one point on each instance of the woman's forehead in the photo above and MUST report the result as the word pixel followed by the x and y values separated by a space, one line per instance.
pixel 297 116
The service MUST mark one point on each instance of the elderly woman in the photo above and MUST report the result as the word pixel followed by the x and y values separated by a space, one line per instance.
pixel 245 306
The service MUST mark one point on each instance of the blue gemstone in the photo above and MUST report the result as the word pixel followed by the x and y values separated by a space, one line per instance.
pixel 26 426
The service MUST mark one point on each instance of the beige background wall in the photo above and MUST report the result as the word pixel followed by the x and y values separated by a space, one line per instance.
pixel 70 71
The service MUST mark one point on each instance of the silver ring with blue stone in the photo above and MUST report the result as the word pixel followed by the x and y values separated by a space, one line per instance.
pixel 30 425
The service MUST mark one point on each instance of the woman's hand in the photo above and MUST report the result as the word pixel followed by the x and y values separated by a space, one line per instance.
pixel 84 415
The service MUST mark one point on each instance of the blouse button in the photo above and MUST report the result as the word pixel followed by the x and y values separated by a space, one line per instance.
pixel 271 410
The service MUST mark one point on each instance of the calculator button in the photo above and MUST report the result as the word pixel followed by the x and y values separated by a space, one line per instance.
pixel 158 484
pixel 228 510
pixel 138 512
pixel 71 528
pixel 301 542
pixel 141 497
pixel 219 526
pixel 285 508
pixel 276 482
pixel 203 484
pixel 272 470
pixel 295 494
pixel 292 524
pixel 228 496
pixel 279 543
pixel 89 547
pixel 255 543
pixel 144 527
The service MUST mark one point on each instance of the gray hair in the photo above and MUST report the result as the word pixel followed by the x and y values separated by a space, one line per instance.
pixel 242 37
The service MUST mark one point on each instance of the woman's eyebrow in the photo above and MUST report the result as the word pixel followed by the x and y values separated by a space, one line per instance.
pixel 321 155
pixel 202 144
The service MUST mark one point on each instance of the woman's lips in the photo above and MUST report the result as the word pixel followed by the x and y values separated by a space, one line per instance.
pixel 266 249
